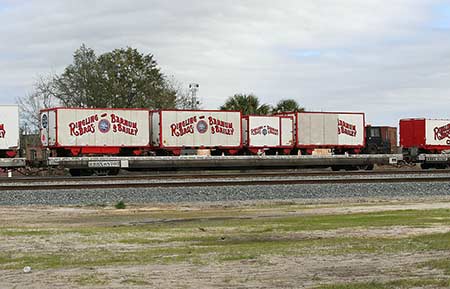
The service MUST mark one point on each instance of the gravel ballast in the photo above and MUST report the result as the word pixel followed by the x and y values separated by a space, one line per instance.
pixel 220 194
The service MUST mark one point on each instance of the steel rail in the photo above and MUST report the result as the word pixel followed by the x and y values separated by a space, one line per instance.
pixel 220 183
pixel 215 175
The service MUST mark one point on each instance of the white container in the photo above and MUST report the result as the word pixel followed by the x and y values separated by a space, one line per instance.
pixel 178 129
pixel 79 127
pixel 268 131
pixel 437 132
pixel 9 127
pixel 330 129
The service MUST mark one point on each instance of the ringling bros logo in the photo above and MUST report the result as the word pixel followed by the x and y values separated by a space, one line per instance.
pixel 264 130
pixel 442 132
pixel 346 128
pixel 201 124
pixel 2 130
pixel 104 123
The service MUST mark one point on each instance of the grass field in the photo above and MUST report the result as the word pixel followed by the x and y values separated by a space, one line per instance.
pixel 288 245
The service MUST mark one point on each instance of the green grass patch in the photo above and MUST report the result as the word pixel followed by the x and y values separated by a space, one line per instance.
pixel 90 280
pixel 396 284
pixel 202 241
pixel 238 257
pixel 315 222
pixel 222 250
pixel 441 264
pixel 19 232
pixel 135 282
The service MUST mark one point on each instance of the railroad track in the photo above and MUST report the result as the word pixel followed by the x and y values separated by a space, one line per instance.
pixel 220 174
pixel 221 181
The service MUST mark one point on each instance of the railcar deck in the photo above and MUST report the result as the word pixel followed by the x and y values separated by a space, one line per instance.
pixel 223 162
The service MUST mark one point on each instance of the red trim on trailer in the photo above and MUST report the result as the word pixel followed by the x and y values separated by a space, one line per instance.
pixel 200 110
pixel 245 118
pixel 330 112
pixel 241 145
pixel 280 139
pixel 90 108
pixel 11 154
pixel 110 150
pixel 56 128
pixel 327 146
pixel 364 130
pixel 160 130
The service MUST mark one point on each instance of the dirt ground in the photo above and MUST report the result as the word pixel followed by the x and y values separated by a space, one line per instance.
pixel 269 271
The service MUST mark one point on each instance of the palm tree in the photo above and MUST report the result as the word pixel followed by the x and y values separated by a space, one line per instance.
pixel 287 105
pixel 247 104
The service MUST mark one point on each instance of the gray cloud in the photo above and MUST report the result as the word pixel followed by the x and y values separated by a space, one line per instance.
pixel 381 57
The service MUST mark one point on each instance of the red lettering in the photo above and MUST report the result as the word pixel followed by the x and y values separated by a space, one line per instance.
pixel 346 128
pixel 442 132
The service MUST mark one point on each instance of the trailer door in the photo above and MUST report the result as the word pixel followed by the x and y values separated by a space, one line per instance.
pixel 287 130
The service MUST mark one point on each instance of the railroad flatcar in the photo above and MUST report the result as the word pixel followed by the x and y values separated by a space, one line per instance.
pixel 9 131
pixel 268 134
pixel 86 131
pixel 173 131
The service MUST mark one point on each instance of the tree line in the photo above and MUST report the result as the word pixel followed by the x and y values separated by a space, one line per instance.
pixel 123 78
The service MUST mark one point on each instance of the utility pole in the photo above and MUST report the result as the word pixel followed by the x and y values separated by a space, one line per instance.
pixel 194 102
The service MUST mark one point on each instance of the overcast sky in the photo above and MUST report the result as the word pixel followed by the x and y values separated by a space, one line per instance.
pixel 390 59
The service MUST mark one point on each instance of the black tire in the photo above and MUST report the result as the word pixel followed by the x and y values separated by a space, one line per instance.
pixel 372 149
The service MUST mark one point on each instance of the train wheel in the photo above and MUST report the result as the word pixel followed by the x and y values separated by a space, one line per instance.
pixel 366 167
pixel 100 172
pixel 425 166
pixel 75 172
pixel 81 172
pixel 351 168
pixel 113 172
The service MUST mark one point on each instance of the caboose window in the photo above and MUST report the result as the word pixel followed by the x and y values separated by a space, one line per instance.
pixel 375 132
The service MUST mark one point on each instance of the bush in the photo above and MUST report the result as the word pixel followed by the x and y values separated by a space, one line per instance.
pixel 120 205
